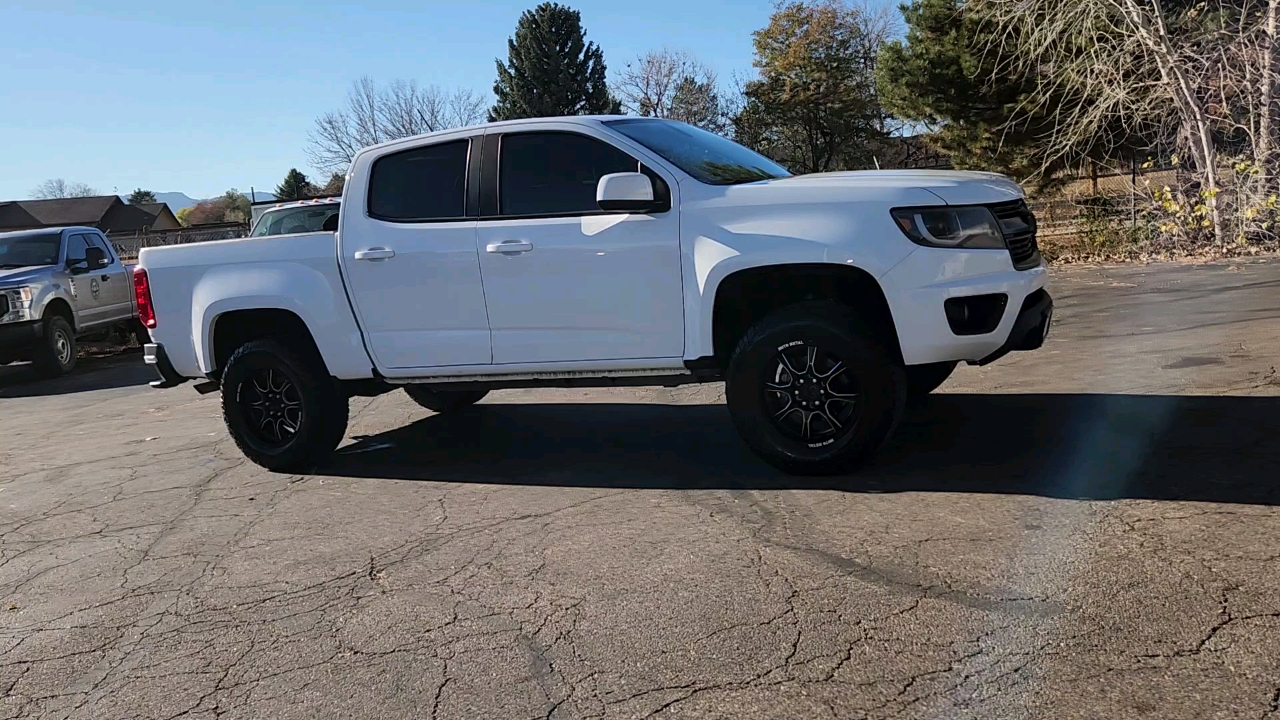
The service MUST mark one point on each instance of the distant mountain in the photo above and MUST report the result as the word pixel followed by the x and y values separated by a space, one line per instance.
pixel 175 200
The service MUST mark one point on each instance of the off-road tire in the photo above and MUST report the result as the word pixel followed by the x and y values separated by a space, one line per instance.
pixel 324 407
pixel 444 401
pixel 55 355
pixel 881 383
pixel 924 379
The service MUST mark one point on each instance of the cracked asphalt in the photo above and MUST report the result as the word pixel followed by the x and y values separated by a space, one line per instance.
pixel 1090 531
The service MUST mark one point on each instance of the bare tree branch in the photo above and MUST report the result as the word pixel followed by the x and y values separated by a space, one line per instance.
pixel 59 188
pixel 374 114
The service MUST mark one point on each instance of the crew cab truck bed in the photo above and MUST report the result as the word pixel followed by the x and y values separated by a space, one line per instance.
pixel 602 251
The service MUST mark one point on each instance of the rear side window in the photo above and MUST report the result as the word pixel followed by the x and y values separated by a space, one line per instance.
pixel 555 173
pixel 420 185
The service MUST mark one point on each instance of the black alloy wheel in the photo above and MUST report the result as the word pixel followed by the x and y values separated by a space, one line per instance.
pixel 811 397
pixel 270 401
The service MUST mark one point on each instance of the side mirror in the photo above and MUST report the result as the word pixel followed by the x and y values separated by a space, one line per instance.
pixel 625 192
pixel 96 258
pixel 78 267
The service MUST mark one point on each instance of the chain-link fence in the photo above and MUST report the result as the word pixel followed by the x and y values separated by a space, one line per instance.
pixel 128 245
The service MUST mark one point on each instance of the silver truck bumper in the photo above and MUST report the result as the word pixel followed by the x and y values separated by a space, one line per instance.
pixel 153 355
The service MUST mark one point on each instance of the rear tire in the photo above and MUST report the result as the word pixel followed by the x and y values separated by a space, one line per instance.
pixel 444 401
pixel 924 379
pixel 281 407
pixel 55 356
pixel 812 390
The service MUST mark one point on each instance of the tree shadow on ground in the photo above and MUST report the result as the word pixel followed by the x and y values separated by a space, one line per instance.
pixel 1095 447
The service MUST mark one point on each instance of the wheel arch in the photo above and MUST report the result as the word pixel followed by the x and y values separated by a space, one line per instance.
pixel 232 329
pixel 744 297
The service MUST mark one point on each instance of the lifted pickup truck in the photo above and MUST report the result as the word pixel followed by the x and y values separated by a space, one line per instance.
pixel 598 251
pixel 57 286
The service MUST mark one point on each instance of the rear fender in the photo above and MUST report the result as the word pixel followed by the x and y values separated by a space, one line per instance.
pixel 312 295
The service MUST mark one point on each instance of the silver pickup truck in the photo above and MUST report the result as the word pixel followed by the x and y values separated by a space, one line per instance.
pixel 59 286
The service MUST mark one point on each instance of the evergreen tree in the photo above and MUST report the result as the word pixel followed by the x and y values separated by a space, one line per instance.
pixel 984 112
pixel 141 197
pixel 295 186
pixel 551 70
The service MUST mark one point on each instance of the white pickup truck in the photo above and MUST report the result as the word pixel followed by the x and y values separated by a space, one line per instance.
pixel 600 251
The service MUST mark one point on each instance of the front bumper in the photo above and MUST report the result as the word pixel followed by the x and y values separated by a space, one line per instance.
pixel 19 336
pixel 918 289
pixel 153 354
pixel 1030 329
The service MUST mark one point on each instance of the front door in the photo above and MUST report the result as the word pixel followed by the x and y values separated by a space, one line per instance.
pixel 86 288
pixel 564 280
pixel 408 251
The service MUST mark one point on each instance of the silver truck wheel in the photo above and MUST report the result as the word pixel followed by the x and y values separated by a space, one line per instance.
pixel 56 355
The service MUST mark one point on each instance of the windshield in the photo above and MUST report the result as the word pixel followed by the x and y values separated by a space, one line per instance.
pixel 294 221
pixel 29 250
pixel 706 156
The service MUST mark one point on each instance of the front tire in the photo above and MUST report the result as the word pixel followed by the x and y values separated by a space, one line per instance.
pixel 812 391
pixel 56 354
pixel 281 407
pixel 444 401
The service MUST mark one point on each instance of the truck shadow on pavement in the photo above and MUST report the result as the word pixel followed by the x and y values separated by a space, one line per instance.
pixel 91 373
pixel 1092 447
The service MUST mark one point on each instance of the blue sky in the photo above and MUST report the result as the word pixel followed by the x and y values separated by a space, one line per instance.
pixel 197 98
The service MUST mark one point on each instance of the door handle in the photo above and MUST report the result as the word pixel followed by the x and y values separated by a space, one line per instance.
pixel 510 247
pixel 106 278
pixel 377 253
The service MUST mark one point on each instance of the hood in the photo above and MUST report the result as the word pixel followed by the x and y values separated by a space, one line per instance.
pixel 19 276
pixel 953 187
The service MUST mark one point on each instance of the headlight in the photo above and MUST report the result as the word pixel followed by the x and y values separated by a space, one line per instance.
pixel 951 227
pixel 19 304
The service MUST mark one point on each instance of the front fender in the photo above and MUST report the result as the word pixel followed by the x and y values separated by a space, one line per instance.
pixel 714 252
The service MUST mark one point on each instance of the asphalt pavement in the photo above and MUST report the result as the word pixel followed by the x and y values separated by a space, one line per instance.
pixel 1089 531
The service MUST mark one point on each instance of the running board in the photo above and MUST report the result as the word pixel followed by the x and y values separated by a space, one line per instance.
pixel 663 377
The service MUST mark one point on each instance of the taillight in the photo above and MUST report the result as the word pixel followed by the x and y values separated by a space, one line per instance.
pixel 142 291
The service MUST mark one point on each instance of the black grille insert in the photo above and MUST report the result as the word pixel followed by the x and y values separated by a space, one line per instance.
pixel 4 305
pixel 1018 224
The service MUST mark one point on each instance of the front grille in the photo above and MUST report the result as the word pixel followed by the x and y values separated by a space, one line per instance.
pixel 4 305
pixel 1019 226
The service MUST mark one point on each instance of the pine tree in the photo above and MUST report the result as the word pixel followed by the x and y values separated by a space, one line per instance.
pixel 295 186
pixel 141 197
pixel 551 70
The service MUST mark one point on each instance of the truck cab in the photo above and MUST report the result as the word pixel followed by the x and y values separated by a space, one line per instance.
pixel 59 286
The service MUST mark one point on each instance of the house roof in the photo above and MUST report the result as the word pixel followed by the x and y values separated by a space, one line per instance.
pixel 107 213
pixel 69 211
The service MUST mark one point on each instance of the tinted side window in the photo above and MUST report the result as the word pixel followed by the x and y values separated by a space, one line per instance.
pixel 76 247
pixel 555 173
pixel 96 241
pixel 427 183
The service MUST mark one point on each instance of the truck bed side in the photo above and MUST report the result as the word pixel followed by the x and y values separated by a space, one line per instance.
pixel 193 285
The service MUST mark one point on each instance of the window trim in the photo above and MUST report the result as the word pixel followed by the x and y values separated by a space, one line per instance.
pixel 466 190
pixel 491 193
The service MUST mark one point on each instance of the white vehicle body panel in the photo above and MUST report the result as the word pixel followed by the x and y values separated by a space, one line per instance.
pixel 609 294
pixel 192 285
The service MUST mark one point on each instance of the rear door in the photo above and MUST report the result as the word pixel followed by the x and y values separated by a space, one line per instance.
pixel 408 251
pixel 115 292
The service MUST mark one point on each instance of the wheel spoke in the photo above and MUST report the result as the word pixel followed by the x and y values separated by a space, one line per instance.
pixel 790 408
pixel 830 375
pixel 806 428
pixel 826 415
pixel 258 380
pixel 811 357
pixel 786 362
